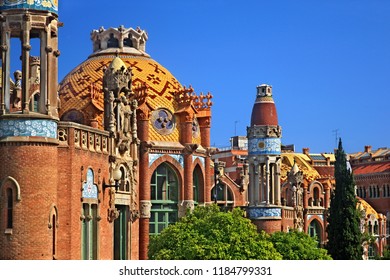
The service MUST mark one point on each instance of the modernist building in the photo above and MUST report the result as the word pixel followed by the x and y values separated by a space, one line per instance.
pixel 289 190
pixel 371 169
pixel 92 167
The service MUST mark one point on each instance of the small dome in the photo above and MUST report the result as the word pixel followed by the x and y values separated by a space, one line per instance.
pixel 117 64
pixel 264 109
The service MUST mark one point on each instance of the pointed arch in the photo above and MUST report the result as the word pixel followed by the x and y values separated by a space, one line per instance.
pixel 198 183
pixel 15 184
pixel 315 230
pixel 165 191
pixel 53 212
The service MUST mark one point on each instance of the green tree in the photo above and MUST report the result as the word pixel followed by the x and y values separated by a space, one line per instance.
pixel 296 245
pixel 210 234
pixel 344 235
pixel 386 253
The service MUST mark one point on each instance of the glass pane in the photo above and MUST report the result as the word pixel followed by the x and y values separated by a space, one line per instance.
pixel 161 227
pixel 161 216
pixel 153 193
pixel 152 229
pixel 161 188
pixel 173 192
pixel 172 217
pixel 162 169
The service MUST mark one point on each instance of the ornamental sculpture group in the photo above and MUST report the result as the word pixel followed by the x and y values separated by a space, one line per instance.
pixel 120 119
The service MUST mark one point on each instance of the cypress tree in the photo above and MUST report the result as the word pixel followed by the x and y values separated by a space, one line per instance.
pixel 344 235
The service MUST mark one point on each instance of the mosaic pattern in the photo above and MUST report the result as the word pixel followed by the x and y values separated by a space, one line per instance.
pixel 46 5
pixel 263 146
pixel 90 189
pixel 41 128
pixel 318 215
pixel 260 212
pixel 200 158
pixel 154 157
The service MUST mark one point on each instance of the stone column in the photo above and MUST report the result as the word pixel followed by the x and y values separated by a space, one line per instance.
pixel 144 183
pixel 5 59
pixel 277 182
pixel 26 47
pixel 205 125
pixel 267 186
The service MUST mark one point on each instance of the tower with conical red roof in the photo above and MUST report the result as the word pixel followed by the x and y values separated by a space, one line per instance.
pixel 264 156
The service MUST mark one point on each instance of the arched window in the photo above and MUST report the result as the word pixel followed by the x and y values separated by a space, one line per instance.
pixel 223 196
pixel 372 251
pixel 197 182
pixel 164 191
pixel 369 227
pixel 128 42
pixel 54 235
pixel 10 208
pixel 112 42
pixel 89 218
pixel 316 194
pixel 315 231
pixel 376 228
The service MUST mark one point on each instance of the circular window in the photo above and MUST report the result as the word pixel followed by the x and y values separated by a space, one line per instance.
pixel 163 121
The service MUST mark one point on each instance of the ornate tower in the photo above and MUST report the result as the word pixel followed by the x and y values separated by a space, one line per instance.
pixel 28 129
pixel 264 156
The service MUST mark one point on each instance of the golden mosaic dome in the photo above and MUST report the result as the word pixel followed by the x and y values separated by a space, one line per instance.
pixel 302 161
pixel 81 91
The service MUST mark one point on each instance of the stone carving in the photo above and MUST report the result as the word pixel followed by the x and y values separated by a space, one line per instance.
pixel 184 206
pixel 145 208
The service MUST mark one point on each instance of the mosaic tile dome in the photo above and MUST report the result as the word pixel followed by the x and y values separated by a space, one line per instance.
pixel 81 92
pixel 42 5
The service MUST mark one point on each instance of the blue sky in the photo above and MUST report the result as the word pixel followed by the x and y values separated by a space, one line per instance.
pixel 327 61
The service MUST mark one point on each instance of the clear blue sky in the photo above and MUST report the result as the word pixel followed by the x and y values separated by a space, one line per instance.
pixel 327 61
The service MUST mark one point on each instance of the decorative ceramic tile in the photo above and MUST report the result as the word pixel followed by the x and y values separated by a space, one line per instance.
pixel 319 215
pixel 200 158
pixel 89 188
pixel 47 5
pixel 178 158
pixel 41 128
pixel 264 146
pixel 259 212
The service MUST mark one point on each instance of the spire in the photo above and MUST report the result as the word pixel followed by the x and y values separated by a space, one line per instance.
pixel 264 110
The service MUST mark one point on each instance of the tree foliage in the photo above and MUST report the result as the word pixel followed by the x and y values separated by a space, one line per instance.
pixel 343 229
pixel 210 234
pixel 296 245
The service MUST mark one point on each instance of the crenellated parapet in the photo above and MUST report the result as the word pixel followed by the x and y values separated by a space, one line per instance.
pixel 121 37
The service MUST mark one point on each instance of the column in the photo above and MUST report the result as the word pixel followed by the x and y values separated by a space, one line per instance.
pixel 144 184
pixel 26 47
pixel 277 182
pixel 204 125
pixel 5 64
pixel 267 186
pixel 257 183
